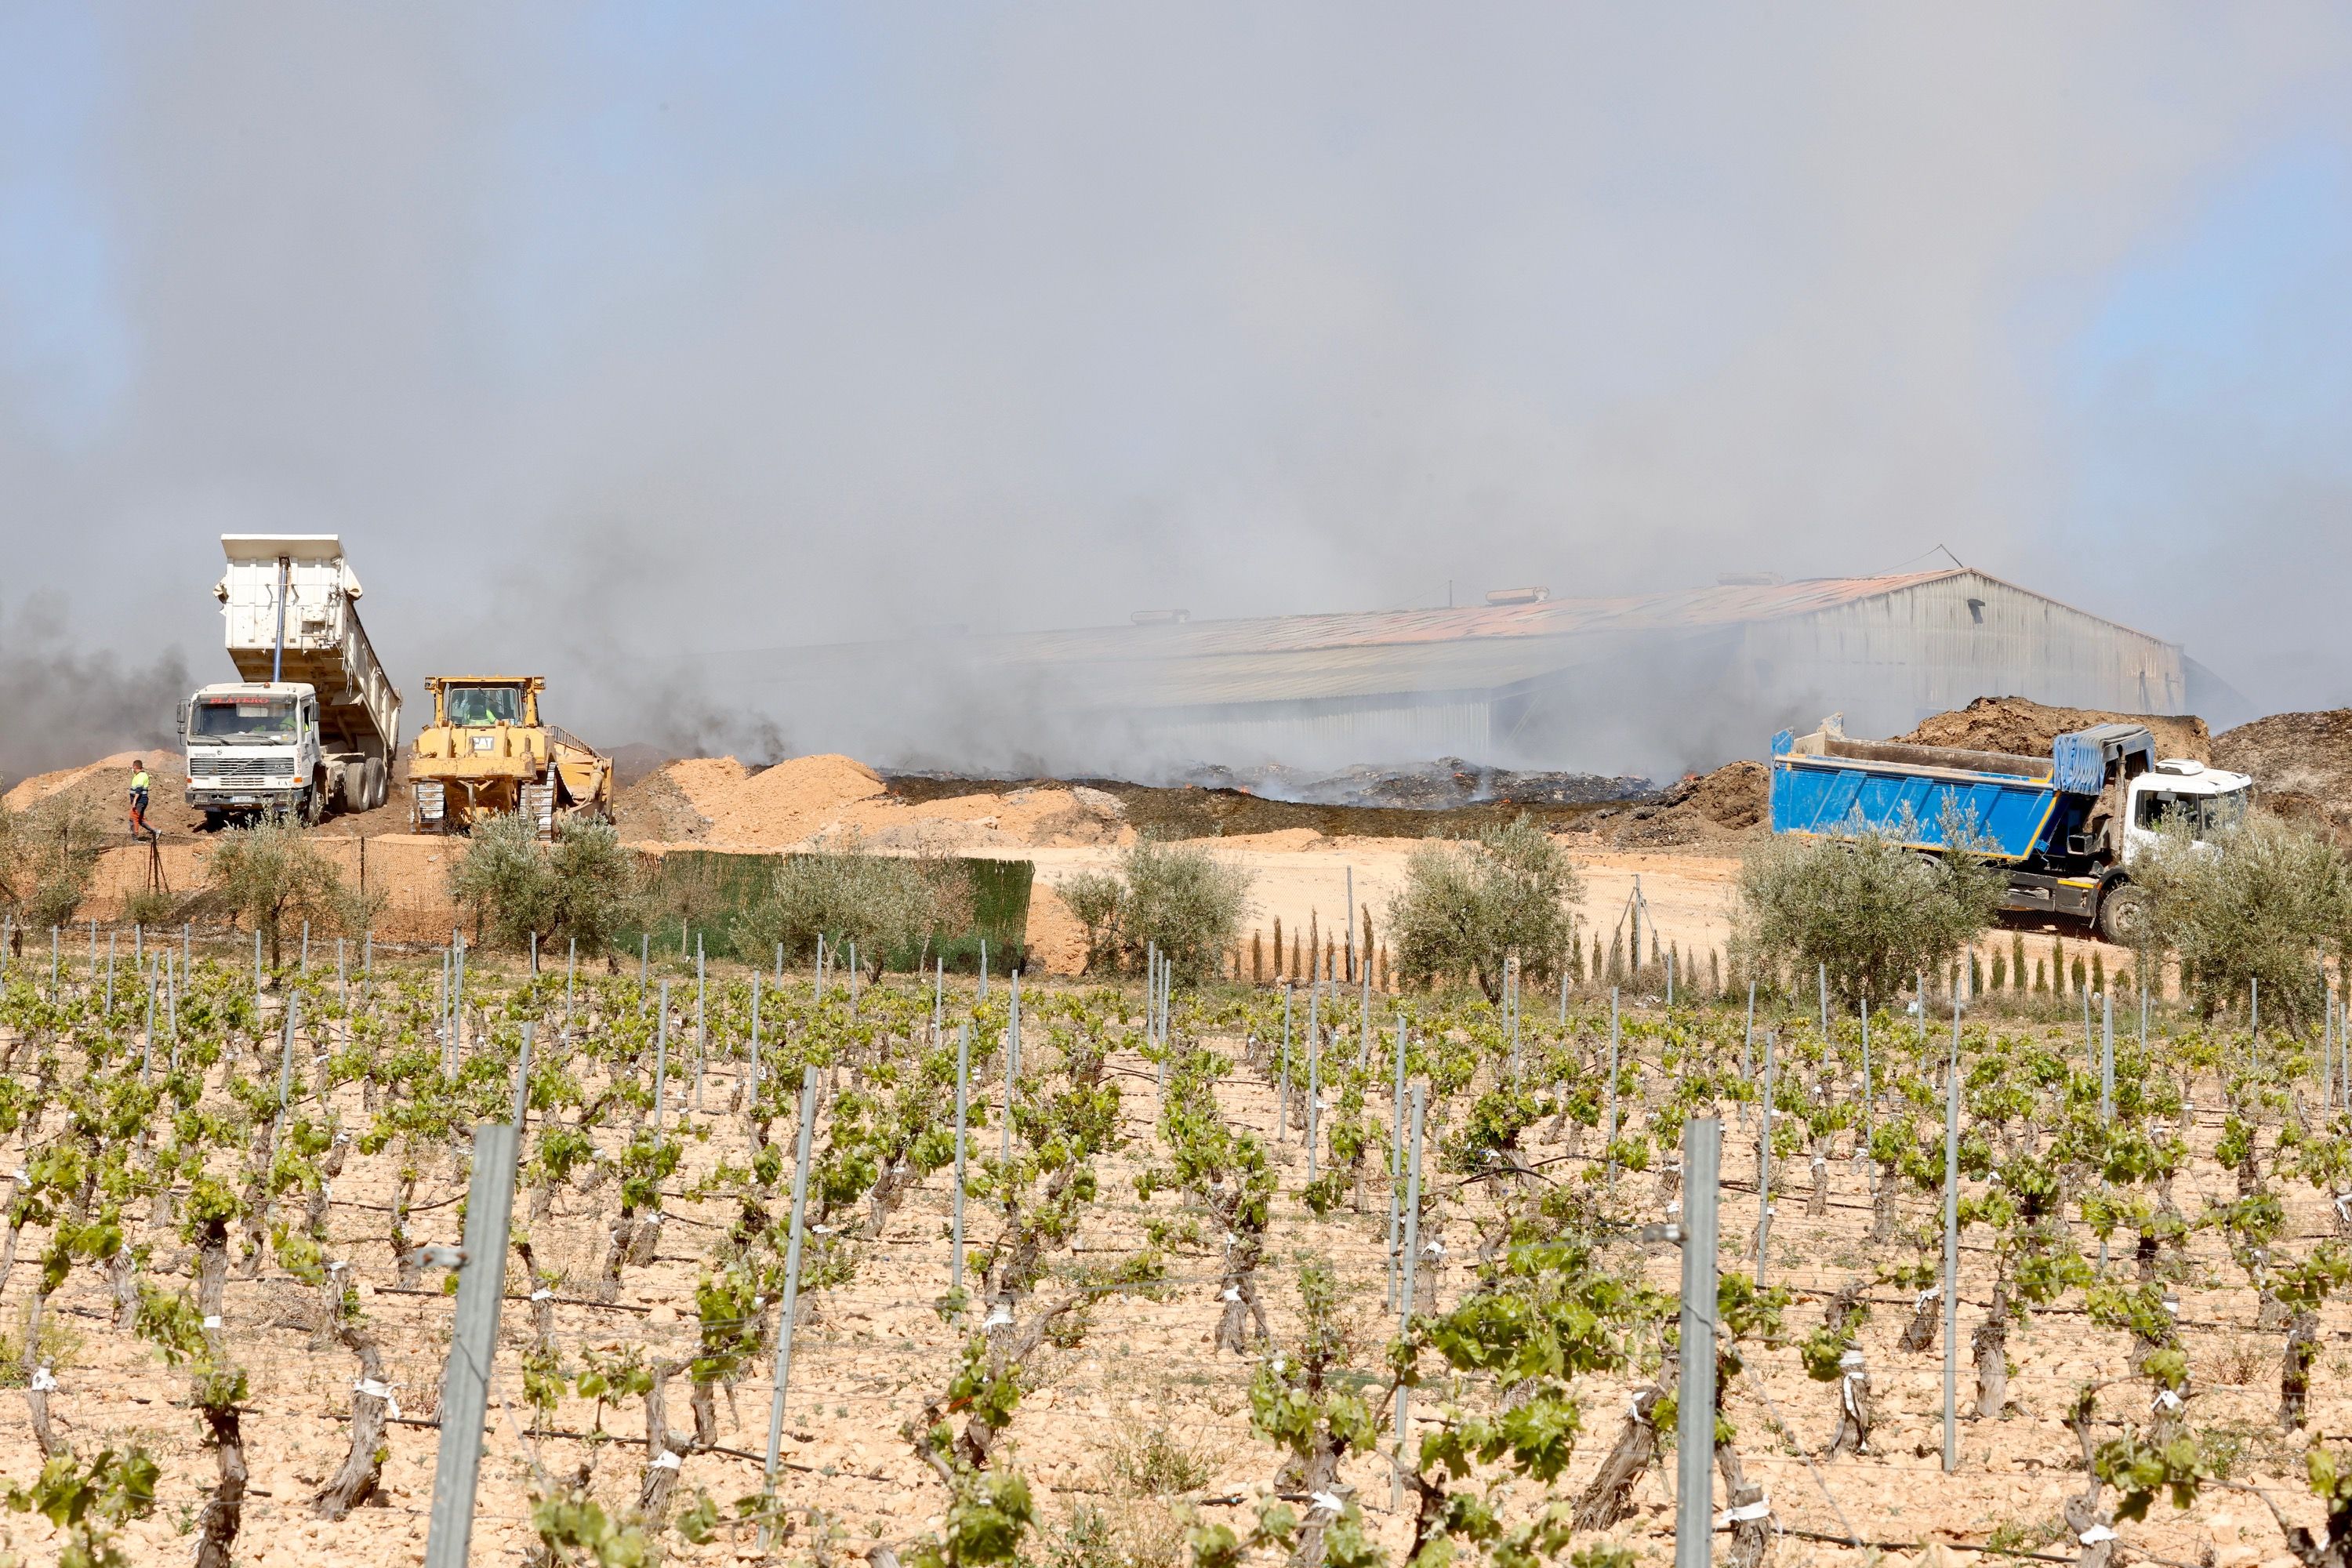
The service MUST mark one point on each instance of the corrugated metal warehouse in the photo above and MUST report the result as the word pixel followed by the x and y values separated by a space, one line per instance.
pixel 1685 678
pixel 1652 683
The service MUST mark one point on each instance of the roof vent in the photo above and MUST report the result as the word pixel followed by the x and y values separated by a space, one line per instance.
pixel 1519 595
pixel 1749 580
pixel 1160 617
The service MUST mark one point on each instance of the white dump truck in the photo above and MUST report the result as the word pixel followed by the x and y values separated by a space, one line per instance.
pixel 312 724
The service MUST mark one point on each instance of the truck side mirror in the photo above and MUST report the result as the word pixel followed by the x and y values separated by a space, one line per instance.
pixel 180 720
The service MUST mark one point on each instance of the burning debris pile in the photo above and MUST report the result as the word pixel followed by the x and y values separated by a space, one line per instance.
pixel 1444 784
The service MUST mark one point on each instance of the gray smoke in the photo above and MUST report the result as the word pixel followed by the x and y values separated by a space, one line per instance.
pixel 62 705
pixel 618 343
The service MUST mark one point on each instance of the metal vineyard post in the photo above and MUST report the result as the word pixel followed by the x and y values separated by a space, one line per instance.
pixel 465 1386
pixel 1764 1160
pixel 792 1279
pixel 1411 1265
pixel 661 1056
pixel 1695 1408
pixel 1952 1249
pixel 964 1079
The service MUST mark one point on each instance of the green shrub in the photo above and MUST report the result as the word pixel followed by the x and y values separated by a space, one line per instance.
pixel 272 876
pixel 1465 908
pixel 886 904
pixel 2264 901
pixel 1174 897
pixel 1862 902
pixel 48 857
pixel 513 885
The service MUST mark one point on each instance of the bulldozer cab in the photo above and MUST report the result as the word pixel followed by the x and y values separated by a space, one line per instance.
pixel 477 701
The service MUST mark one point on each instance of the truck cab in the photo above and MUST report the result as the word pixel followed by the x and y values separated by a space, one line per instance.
pixel 253 750
pixel 2188 796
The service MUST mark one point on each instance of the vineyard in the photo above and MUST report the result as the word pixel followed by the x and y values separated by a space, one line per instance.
pixel 1104 1277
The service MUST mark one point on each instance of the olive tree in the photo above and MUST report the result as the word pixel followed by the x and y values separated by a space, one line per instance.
pixel 48 858
pixel 1468 906
pixel 272 875
pixel 2264 901
pixel 1865 903
pixel 1173 896
pixel 845 892
pixel 514 885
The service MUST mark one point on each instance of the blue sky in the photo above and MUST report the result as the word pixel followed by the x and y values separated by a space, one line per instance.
pixel 730 326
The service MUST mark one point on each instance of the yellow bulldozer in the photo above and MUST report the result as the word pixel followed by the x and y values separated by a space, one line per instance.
pixel 486 751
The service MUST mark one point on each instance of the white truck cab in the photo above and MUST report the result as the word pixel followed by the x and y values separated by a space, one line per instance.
pixel 252 749
pixel 2205 800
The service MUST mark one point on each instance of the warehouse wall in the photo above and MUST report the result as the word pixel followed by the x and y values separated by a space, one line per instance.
pixel 1891 659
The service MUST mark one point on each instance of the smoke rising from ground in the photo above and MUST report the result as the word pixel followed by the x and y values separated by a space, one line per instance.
pixel 616 344
pixel 61 704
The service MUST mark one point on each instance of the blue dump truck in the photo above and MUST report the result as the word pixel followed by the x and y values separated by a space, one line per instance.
pixel 2066 827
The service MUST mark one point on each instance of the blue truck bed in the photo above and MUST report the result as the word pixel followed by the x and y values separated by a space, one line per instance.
pixel 2000 802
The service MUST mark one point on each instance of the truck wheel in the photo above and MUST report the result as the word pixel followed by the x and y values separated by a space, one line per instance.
pixel 374 787
pixel 2125 914
pixel 214 821
pixel 314 803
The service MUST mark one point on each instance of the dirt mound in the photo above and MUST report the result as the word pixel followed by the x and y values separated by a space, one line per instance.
pixel 654 810
pixel 2300 765
pixel 792 800
pixel 677 802
pixel 2026 729
pixel 705 781
pixel 41 786
pixel 104 788
pixel 1729 804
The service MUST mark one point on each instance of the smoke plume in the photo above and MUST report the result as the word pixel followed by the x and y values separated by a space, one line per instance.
pixel 621 344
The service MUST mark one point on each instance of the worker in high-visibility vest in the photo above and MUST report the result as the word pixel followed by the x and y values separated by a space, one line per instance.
pixel 138 828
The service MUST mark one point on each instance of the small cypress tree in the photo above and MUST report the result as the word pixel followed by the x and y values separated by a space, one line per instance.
pixel 1617 957
pixel 1277 947
pixel 2057 963
pixel 2017 958
pixel 1715 970
pixel 2040 977
pixel 2080 977
pixel 1258 957
pixel 2099 973
pixel 1975 974
pixel 1999 971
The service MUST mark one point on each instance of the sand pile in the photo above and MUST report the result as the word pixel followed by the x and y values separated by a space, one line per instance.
pixel 1028 817
pixel 791 801
pixel 104 787
pixel 1730 803
pixel 2026 729
pixel 654 810
pixel 2300 765
pixel 705 781
pixel 41 786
